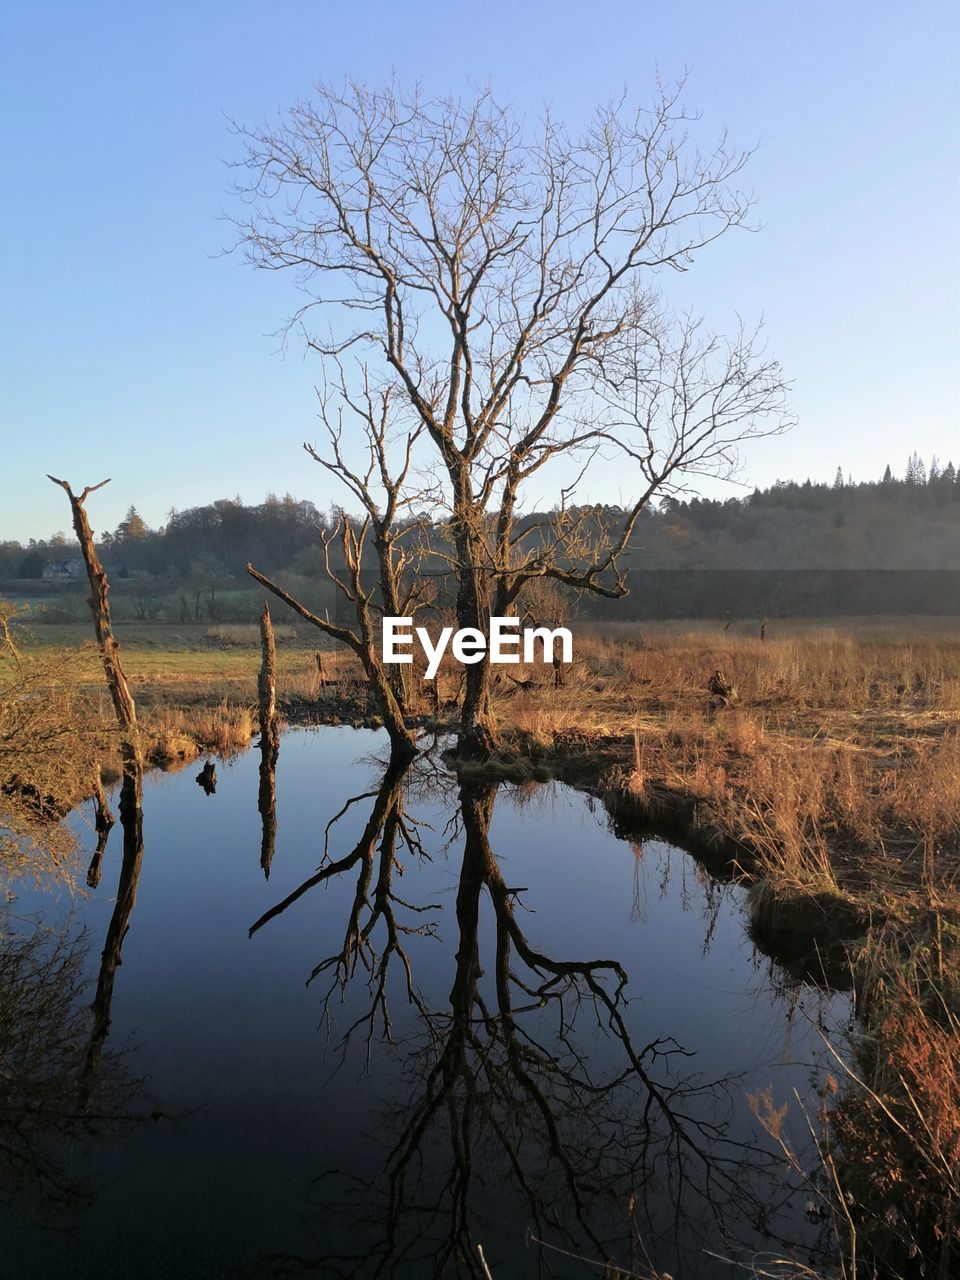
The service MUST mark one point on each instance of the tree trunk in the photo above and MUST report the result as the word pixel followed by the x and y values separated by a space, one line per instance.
pixel 478 731
pixel 390 595
pixel 267 680
pixel 99 603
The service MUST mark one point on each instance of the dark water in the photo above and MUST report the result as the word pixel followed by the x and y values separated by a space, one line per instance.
pixel 550 1036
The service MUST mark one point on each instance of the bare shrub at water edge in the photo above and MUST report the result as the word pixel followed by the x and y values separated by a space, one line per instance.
pixel 44 1030
pixel 51 741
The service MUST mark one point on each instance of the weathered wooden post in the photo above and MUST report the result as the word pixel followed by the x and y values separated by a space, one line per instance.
pixel 559 675
pixel 206 779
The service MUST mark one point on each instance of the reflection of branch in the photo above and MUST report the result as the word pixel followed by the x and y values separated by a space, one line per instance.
pixel 374 900
pixel 358 944
pixel 103 825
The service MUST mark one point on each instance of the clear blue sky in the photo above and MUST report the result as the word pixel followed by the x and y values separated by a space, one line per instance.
pixel 130 349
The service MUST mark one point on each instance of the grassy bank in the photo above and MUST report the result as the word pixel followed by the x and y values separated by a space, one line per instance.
pixel 831 765
pixel 832 762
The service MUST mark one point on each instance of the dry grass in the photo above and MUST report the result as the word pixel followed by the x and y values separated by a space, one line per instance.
pixel 837 762
pixel 175 733
pixel 223 729
pixel 897 1125
pixel 246 635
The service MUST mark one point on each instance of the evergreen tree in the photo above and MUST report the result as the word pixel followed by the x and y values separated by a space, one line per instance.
pixel 133 527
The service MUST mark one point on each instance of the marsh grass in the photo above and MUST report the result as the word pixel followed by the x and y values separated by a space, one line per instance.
pixel 838 766
pixel 173 733
pixel 837 761
pixel 885 1127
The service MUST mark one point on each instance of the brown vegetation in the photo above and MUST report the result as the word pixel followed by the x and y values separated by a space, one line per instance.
pixel 838 767
pixel 51 739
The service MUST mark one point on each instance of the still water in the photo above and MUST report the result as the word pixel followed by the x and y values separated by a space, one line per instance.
pixel 467 1015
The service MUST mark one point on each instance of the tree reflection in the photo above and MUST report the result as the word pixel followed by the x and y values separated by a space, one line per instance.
pixel 131 821
pixel 374 857
pixel 267 798
pixel 43 1032
pixel 525 1098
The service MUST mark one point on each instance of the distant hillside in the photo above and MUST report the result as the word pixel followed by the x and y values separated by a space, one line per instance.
pixel 890 524
pixel 909 523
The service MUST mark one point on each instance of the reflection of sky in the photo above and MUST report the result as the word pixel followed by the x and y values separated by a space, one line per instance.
pixel 229 1036
pixel 681 936
pixel 120 317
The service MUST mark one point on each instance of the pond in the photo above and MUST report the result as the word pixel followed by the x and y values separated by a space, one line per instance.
pixel 358 1019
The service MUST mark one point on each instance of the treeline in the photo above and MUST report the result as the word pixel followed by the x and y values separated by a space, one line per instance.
pixel 214 542
pixel 908 523
pixel 178 570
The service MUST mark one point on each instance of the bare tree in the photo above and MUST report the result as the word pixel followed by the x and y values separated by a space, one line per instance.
pixel 507 280
pixel 379 483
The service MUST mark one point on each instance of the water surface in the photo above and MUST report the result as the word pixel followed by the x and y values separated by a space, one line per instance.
pixel 519 1029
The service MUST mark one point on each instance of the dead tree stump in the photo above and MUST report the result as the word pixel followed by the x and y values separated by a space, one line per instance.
pixel 120 695
pixel 721 688
pixel 207 778
pixel 267 679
